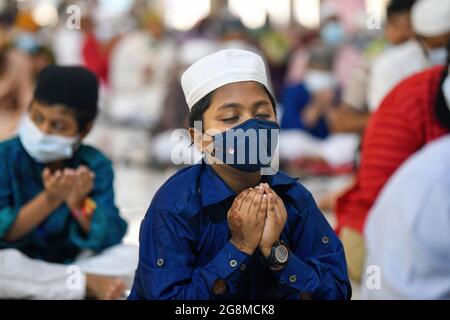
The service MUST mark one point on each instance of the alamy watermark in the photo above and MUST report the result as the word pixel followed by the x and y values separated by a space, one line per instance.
pixel 73 19
pixel 74 278
pixel 373 277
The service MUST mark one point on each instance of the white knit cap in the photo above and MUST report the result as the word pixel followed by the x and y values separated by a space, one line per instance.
pixel 221 68
pixel 431 17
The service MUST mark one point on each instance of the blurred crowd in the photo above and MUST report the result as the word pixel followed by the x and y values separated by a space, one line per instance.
pixel 353 100
pixel 319 75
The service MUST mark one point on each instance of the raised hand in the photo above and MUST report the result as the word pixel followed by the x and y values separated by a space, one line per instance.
pixel 274 222
pixel 59 184
pixel 246 219
pixel 82 186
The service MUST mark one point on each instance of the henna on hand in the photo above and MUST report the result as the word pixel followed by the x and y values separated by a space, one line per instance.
pixel 235 224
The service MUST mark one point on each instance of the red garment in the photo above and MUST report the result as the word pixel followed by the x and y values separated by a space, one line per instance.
pixel 95 59
pixel 403 124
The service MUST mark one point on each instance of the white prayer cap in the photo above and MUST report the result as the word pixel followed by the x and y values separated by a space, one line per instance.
pixel 431 17
pixel 221 68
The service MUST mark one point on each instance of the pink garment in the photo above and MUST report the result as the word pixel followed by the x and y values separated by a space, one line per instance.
pixel 347 59
pixel 349 11
pixel 297 66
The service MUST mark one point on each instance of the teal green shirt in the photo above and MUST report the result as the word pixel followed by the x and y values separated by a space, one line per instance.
pixel 59 238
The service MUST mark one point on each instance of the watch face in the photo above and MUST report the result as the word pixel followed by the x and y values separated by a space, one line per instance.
pixel 281 254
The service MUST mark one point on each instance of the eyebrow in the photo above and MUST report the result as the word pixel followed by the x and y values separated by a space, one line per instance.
pixel 234 105
pixel 260 103
pixel 231 105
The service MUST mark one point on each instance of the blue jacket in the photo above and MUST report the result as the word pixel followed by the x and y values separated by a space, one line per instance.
pixel 185 248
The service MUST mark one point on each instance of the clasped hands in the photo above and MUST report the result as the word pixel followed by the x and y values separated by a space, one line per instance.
pixel 71 186
pixel 256 219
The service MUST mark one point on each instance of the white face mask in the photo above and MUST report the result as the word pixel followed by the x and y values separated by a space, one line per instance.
pixel 45 148
pixel 437 56
pixel 317 80
pixel 446 89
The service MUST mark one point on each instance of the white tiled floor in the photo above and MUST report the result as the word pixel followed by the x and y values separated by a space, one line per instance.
pixel 135 187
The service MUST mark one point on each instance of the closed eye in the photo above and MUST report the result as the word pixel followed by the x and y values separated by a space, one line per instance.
pixel 231 119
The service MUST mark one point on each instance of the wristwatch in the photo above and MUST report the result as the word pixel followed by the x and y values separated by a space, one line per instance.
pixel 278 257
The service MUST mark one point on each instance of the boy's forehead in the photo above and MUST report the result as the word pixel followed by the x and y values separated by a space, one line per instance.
pixel 239 89
pixel 55 109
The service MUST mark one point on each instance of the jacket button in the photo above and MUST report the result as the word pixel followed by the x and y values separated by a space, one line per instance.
pixel 233 263
pixel 293 278
pixel 325 240
pixel 243 267
pixel 160 262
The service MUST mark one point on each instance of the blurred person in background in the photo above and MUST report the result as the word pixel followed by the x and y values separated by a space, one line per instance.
pixel 67 43
pixel 305 108
pixel 102 30
pixel 353 114
pixel 41 58
pixel 431 25
pixel 141 65
pixel 175 110
pixel 338 36
pixel 306 104
pixel 276 47
pixel 408 118
pixel 57 200
pixel 407 231
pixel 16 75
pixel 334 32
pixel 232 34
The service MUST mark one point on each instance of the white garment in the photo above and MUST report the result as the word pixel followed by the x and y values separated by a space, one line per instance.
pixel 24 278
pixel 336 150
pixel 408 229
pixel 391 67
pixel 67 46
pixel 139 74
pixel 174 147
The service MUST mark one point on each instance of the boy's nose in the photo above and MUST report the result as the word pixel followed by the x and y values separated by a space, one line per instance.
pixel 45 127
pixel 246 117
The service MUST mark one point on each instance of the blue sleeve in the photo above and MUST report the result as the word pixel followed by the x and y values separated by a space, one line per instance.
pixel 167 269
pixel 317 263
pixel 107 227
pixel 294 100
pixel 8 212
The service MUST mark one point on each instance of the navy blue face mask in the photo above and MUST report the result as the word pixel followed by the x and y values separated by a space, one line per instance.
pixel 249 146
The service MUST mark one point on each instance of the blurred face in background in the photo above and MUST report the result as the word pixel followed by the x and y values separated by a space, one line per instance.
pixel 436 48
pixel 332 31
pixel 435 42
pixel 154 25
pixel 398 28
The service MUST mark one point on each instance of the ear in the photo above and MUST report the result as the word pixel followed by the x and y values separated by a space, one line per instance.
pixel 196 138
pixel 86 131
pixel 202 141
